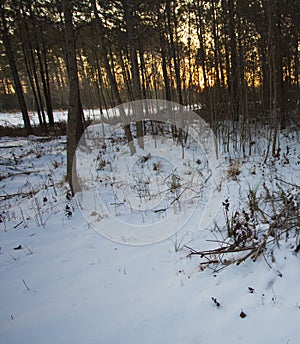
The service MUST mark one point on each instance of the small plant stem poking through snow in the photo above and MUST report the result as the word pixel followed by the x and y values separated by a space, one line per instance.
pixel 251 290
pixel 26 285
pixel 216 302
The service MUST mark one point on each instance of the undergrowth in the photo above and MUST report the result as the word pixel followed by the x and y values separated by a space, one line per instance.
pixel 264 223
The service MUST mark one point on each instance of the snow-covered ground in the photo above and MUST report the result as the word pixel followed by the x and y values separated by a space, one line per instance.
pixel 15 118
pixel 63 282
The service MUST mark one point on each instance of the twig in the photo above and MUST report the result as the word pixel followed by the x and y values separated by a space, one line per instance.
pixel 18 224
pixel 284 181
pixel 30 250
pixel 14 258
pixel 260 248
pixel 22 194
pixel 239 261
pixel 28 289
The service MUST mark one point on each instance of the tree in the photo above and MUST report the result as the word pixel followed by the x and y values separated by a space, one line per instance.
pixel 132 37
pixel 75 127
pixel 240 51
pixel 111 77
pixel 12 63
pixel 31 69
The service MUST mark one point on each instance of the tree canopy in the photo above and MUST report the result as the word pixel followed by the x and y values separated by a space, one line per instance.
pixel 236 58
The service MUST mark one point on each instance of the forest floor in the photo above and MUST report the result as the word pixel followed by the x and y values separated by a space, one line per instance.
pixel 63 282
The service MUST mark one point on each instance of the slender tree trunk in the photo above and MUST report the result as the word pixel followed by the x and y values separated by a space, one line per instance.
pixel 136 84
pixel 216 44
pixel 234 62
pixel 40 49
pixel 112 80
pixel 47 84
pixel 265 76
pixel 32 85
pixel 164 68
pixel 45 89
pixel 279 65
pixel 13 67
pixel 226 47
pixel 173 51
pixel 201 34
pixel 296 58
pixel 101 85
pixel 125 73
pixel 30 64
pixel 143 73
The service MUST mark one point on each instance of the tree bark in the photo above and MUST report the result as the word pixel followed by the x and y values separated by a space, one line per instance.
pixel 112 81
pixel 173 50
pixel 164 66
pixel 136 84
pixel 30 65
pixel 201 34
pixel 216 45
pixel 75 126
pixel 13 67
pixel 234 62
pixel 40 50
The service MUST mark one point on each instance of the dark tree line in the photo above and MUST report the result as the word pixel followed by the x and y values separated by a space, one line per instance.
pixel 238 59
pixel 237 52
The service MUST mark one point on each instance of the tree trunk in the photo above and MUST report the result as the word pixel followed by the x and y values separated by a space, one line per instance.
pixel 216 45
pixel 296 59
pixel 279 65
pixel 42 63
pixel 31 82
pixel 75 127
pixel 13 67
pixel 201 34
pixel 47 86
pixel 164 68
pixel 226 47
pixel 234 62
pixel 136 84
pixel 173 51
pixel 112 80
pixel 32 74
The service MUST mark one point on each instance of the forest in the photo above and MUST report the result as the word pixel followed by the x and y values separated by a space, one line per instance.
pixel 238 59
pixel 233 60
pixel 149 171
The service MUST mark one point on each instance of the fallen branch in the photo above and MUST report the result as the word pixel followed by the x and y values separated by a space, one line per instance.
pixel 21 194
pixel 220 250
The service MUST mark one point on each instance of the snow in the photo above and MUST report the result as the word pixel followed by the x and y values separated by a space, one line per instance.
pixel 15 118
pixel 70 284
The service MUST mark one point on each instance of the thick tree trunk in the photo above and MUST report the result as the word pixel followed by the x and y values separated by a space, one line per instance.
pixel 75 127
